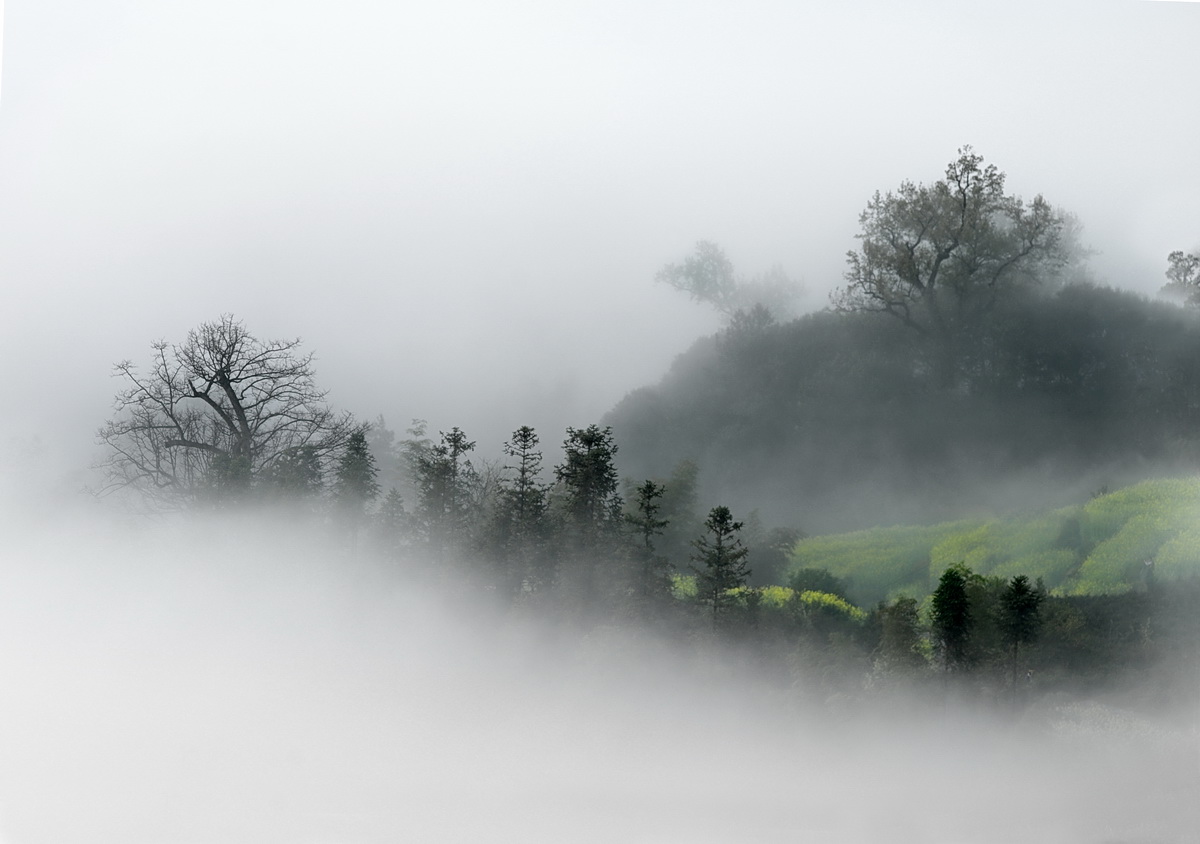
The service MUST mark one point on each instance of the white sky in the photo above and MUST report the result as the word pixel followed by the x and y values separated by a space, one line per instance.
pixel 461 206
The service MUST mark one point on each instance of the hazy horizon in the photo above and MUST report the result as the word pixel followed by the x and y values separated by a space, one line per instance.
pixel 461 210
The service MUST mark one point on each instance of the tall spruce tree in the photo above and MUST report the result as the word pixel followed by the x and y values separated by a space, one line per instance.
pixel 520 521
pixel 950 611
pixel 591 508
pixel 720 561
pixel 443 479
pixel 355 485
pixel 653 574
pixel 1020 618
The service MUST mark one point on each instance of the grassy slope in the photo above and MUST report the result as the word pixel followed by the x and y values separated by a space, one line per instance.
pixel 1098 548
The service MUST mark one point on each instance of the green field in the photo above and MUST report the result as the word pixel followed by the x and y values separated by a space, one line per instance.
pixel 1101 547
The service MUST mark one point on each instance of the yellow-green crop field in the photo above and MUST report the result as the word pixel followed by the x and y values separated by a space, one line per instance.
pixel 1111 544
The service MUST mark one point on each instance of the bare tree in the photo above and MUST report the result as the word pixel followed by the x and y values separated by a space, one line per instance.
pixel 215 413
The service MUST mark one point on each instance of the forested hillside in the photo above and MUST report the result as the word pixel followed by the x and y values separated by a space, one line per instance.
pixel 844 420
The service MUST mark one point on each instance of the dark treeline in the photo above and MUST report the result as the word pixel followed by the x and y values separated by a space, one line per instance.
pixel 572 536
pixel 843 416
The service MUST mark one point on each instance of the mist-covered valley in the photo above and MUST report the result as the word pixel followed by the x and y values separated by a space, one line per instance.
pixel 264 685
pixel 599 422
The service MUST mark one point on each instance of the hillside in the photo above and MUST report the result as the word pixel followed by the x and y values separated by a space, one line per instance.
pixel 835 421
pixel 1111 544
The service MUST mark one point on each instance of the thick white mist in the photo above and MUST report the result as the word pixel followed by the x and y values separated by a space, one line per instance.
pixel 217 681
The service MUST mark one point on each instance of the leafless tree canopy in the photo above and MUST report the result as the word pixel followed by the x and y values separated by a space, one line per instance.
pixel 219 411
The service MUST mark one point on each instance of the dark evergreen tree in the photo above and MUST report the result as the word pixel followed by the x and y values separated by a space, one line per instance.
pixel 589 478
pixel 355 485
pixel 899 652
pixel 591 507
pixel 443 478
pixel 520 521
pixel 295 474
pixel 1020 618
pixel 653 575
pixel 720 563
pixel 950 616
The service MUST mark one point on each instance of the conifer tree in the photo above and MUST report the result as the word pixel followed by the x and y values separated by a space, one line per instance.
pixel 653 570
pixel 899 652
pixel 295 474
pixel 591 506
pixel 1020 617
pixel 355 485
pixel 951 616
pixel 720 561
pixel 520 522
pixel 443 480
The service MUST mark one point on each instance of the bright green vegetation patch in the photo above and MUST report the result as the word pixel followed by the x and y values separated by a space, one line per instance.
pixel 1099 548
pixel 780 599
pixel 880 561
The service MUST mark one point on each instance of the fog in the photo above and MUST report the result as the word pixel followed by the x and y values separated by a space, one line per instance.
pixel 461 209
pixel 250 681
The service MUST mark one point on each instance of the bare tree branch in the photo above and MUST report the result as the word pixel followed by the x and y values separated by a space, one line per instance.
pixel 221 407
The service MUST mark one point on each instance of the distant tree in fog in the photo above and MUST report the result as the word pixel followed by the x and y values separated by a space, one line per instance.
pixel 1183 277
pixel 677 508
pixel 899 651
pixel 355 485
pixel 938 257
pixel 707 276
pixel 296 474
pixel 216 414
pixel 720 562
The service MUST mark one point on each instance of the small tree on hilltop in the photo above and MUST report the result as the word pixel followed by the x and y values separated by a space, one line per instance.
pixel 1183 277
pixel 939 257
